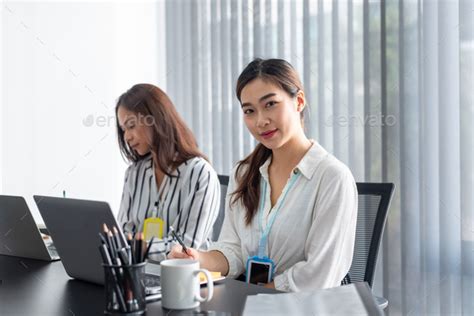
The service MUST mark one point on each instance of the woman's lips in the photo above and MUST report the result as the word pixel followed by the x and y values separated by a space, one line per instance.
pixel 268 134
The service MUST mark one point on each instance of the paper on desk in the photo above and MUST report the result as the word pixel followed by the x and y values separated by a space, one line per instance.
pixel 214 275
pixel 342 300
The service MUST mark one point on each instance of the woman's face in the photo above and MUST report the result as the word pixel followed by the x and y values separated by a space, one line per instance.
pixel 136 132
pixel 270 113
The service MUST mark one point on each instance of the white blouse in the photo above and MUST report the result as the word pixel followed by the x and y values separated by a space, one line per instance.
pixel 312 239
pixel 189 200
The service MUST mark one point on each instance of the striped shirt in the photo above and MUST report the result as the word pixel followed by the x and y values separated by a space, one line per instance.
pixel 189 199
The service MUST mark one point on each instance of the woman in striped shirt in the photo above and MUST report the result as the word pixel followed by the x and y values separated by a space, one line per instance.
pixel 169 178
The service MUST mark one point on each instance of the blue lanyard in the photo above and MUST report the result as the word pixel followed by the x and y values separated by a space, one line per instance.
pixel 262 245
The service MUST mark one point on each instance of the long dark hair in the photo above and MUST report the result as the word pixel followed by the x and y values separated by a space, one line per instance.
pixel 282 74
pixel 172 141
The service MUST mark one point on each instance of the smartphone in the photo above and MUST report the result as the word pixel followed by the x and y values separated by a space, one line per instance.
pixel 259 272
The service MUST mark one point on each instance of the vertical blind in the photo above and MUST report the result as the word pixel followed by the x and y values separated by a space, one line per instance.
pixel 389 89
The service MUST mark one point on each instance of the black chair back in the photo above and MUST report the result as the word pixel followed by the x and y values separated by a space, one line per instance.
pixel 374 202
pixel 216 229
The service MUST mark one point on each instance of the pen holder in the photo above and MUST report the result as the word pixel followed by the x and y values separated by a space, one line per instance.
pixel 125 289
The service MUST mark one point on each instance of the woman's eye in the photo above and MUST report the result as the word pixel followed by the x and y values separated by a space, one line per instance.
pixel 271 103
pixel 248 111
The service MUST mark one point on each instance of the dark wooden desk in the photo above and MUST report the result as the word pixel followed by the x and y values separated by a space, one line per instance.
pixel 32 287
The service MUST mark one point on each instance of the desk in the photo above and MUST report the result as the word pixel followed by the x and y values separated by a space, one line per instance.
pixel 32 287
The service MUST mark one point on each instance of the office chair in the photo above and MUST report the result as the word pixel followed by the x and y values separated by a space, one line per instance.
pixel 374 201
pixel 216 229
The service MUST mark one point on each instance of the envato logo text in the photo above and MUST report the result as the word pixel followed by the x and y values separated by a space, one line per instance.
pixel 373 120
pixel 109 120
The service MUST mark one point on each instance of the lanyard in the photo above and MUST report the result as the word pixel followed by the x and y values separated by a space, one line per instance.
pixel 262 245
pixel 154 213
pixel 159 202
pixel 153 226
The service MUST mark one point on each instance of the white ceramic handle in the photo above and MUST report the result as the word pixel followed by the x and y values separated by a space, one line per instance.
pixel 210 286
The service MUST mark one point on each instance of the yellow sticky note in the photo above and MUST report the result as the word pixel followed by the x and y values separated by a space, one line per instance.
pixel 153 226
pixel 214 275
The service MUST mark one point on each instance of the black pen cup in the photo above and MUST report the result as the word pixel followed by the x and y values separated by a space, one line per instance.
pixel 125 289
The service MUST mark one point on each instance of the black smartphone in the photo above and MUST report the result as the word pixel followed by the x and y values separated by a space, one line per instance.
pixel 259 272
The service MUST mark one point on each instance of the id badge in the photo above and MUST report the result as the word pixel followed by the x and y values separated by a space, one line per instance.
pixel 259 270
pixel 153 227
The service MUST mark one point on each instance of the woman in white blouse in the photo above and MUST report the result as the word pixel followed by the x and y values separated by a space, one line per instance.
pixel 290 200
pixel 169 178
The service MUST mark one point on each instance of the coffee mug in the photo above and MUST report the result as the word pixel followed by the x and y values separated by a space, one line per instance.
pixel 180 286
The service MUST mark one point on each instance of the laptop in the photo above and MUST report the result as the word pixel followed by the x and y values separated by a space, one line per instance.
pixel 74 225
pixel 19 234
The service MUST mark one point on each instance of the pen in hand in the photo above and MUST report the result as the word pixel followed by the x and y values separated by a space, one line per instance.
pixel 185 250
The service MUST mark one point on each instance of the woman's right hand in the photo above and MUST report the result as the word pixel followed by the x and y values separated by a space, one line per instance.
pixel 178 253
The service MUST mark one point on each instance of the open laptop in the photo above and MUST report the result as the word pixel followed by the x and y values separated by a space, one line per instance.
pixel 74 225
pixel 19 234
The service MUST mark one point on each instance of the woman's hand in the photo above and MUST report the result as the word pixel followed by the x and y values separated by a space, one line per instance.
pixel 213 260
pixel 178 253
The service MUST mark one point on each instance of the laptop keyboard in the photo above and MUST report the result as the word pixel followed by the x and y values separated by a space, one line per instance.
pixel 152 280
pixel 152 287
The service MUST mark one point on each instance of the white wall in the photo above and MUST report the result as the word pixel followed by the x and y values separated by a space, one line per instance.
pixel 63 67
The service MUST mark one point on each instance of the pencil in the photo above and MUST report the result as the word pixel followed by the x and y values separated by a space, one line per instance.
pixel 113 244
pixel 102 239
pixel 117 237
pixel 110 243
pixel 129 247
pixel 118 291
pixel 139 247
pixel 185 250
pixel 145 256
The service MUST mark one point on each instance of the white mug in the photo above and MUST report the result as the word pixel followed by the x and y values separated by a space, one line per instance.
pixel 180 286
